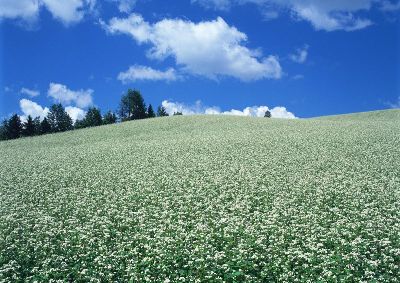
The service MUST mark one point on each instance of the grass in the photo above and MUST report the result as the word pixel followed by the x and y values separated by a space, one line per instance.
pixel 205 199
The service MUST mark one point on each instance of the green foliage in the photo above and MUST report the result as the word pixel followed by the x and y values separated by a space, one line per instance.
pixel 80 124
pixel 161 111
pixel 132 106
pixel 177 113
pixel 150 112
pixel 109 118
pixel 59 119
pixel 28 128
pixel 36 126
pixel 45 127
pixel 205 199
pixel 3 130
pixel 267 114
pixel 93 117
pixel 13 127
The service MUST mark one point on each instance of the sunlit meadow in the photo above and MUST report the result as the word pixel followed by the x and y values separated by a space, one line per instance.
pixel 205 199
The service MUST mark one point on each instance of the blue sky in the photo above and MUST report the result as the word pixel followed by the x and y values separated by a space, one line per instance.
pixel 301 58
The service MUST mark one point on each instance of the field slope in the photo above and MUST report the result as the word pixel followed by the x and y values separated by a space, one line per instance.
pixel 205 199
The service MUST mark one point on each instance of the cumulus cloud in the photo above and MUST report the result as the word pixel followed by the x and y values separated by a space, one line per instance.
pixel 394 105
pixel 29 92
pixel 210 48
pixel 29 107
pixel 214 4
pixel 198 108
pixel 388 6
pixel 326 15
pixel 143 73
pixel 125 6
pixel 66 11
pixel 11 9
pixel 33 109
pixel 60 93
pixel 75 113
pixel 300 56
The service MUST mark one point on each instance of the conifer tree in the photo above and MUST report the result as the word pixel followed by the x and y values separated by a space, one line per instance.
pixel 109 118
pixel 45 127
pixel 161 111
pixel 14 127
pixel 93 117
pixel 58 119
pixel 150 112
pixel 28 129
pixel 132 106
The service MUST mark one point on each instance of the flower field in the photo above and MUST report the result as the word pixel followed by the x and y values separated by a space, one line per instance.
pixel 205 199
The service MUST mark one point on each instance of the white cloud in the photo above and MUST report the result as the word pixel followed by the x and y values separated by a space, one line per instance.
pixel 199 108
pixel 211 48
pixel 388 6
pixel 300 56
pixel 214 4
pixel 142 73
pixel 60 93
pixel 29 92
pixel 298 77
pixel 12 9
pixel 66 11
pixel 394 105
pixel 125 6
pixel 75 113
pixel 326 15
pixel 29 107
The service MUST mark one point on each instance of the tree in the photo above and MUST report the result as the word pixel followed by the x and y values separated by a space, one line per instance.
pixel 150 112
pixel 58 119
pixel 109 118
pixel 132 106
pixel 177 113
pixel 161 111
pixel 80 124
pixel 3 130
pixel 93 117
pixel 36 126
pixel 28 129
pixel 45 127
pixel 13 127
pixel 267 114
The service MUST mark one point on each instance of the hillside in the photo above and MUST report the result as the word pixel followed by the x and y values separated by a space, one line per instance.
pixel 205 199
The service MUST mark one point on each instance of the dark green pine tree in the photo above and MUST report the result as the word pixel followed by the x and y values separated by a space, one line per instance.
pixel 150 112
pixel 3 130
pixel 14 127
pixel 80 124
pixel 109 118
pixel 93 117
pixel 58 119
pixel 138 105
pixel 124 110
pixel 161 111
pixel 36 125
pixel 67 123
pixel 267 114
pixel 45 127
pixel 28 129
pixel 132 106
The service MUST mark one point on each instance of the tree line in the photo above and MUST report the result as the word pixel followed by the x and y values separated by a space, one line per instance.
pixel 132 107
